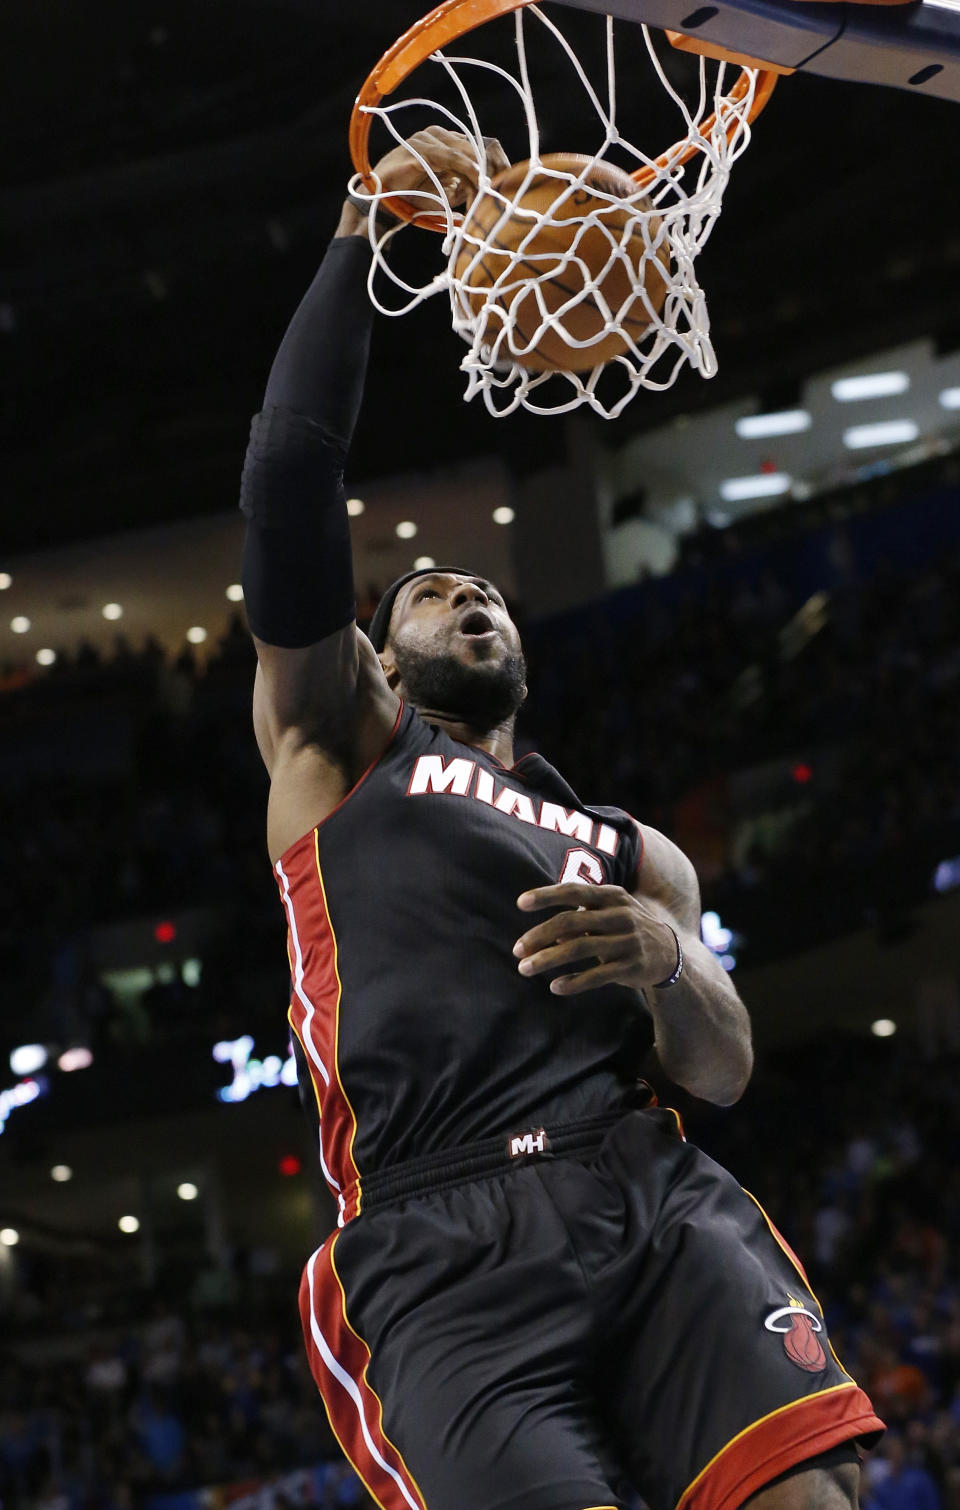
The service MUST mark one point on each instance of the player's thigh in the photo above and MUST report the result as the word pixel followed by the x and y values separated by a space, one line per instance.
pixel 812 1488
pixel 445 1342
pixel 721 1376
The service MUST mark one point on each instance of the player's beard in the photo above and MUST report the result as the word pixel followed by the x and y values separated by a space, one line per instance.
pixel 483 695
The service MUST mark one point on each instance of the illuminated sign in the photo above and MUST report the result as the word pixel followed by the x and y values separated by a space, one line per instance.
pixel 719 939
pixel 20 1094
pixel 250 1074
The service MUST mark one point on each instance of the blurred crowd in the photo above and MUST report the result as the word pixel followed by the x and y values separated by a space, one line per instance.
pixel 854 1159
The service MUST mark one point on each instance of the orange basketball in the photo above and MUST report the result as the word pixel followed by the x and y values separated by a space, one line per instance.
pixel 619 278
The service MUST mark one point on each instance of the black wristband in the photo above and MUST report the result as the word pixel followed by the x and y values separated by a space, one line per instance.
pixel 671 980
pixel 382 218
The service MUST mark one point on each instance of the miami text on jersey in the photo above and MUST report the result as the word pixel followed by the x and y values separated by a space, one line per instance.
pixel 460 777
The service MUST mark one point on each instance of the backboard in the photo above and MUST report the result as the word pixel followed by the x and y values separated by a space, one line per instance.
pixel 915 47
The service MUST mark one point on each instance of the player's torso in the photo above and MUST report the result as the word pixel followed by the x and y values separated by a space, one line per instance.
pixel 417 1029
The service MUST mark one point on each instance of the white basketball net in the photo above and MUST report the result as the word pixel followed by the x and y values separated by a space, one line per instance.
pixel 675 211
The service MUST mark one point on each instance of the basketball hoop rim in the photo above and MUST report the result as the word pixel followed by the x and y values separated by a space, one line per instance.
pixel 454 19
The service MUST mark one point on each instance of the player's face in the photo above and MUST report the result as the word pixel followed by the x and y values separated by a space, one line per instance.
pixel 457 649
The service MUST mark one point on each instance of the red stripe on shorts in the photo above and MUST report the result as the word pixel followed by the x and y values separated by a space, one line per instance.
pixel 339 1359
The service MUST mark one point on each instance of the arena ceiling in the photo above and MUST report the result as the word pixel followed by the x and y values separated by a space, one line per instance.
pixel 169 175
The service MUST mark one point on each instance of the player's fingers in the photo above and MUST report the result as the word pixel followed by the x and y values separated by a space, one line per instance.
pixel 606 974
pixel 588 946
pixel 571 894
pixel 497 159
pixel 567 925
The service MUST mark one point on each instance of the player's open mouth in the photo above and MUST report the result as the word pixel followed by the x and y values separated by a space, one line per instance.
pixel 477 624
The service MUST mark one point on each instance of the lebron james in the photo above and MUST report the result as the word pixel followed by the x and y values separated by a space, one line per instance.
pixel 538 1295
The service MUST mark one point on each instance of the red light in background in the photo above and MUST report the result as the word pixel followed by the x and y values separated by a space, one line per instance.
pixel 768 465
pixel 164 933
pixel 802 773
pixel 289 1164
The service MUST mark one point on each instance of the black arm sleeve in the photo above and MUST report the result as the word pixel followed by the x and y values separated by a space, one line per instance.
pixel 297 562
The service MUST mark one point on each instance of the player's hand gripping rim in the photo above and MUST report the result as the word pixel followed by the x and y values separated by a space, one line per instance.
pixel 453 159
pixel 627 942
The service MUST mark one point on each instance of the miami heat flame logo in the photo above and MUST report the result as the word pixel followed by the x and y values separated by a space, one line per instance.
pixel 799 1328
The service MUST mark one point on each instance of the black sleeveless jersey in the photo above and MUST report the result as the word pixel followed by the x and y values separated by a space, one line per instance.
pixel 416 1029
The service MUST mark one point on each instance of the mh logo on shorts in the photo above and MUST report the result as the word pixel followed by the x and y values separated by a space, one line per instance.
pixel 521 1144
pixel 799 1328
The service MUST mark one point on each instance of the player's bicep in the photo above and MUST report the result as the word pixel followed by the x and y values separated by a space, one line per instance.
pixel 667 881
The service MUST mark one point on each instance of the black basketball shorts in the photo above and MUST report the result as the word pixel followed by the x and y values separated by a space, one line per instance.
pixel 562 1331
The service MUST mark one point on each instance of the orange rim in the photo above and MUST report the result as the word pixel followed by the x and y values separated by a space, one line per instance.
pixel 454 19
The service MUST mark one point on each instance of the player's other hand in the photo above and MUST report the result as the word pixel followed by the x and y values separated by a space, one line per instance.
pixel 453 158
pixel 605 937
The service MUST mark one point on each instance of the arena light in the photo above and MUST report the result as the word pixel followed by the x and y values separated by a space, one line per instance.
pixel 884 1027
pixel 949 398
pixel 763 485
pixel 46 656
pixel 235 592
pixel 784 422
pixel 890 432
pixel 946 877
pixel 20 624
pixel 9 1236
pixel 75 1059
pixel 61 1173
pixel 27 1058
pixel 406 529
pixel 851 390
pixel 5 581
pixel 249 1073
pixel 503 514
pixel 355 507
pixel 424 563
pixel 187 1190
pixel 112 611
pixel 128 1224
pixel 165 932
pixel 196 634
pixel 17 1095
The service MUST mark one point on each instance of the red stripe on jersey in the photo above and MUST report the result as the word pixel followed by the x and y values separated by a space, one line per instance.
pixel 339 1359
pixel 315 1007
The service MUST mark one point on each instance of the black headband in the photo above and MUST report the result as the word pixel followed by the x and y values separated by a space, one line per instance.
pixel 380 623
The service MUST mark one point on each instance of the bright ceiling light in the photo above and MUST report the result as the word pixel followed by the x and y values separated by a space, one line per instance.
pixel 763 485
pixel 406 529
pixel 869 385
pixel 20 624
pixel 892 432
pixel 235 592
pixel 128 1224
pixel 785 422
pixel 197 634
pixel 9 1236
pixel 504 514
pixel 28 1058
pixel 61 1173
pixel 75 1059
pixel 112 611
pixel 884 1027
pixel 5 581
pixel 187 1191
pixel 424 563
pixel 46 656
pixel 355 507
pixel 949 398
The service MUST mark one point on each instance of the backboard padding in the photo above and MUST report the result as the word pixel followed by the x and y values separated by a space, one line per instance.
pixel 913 47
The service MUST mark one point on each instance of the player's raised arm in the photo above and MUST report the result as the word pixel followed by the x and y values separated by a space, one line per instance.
pixel 321 703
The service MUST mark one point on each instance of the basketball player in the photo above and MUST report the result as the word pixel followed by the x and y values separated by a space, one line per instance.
pixel 538 1296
